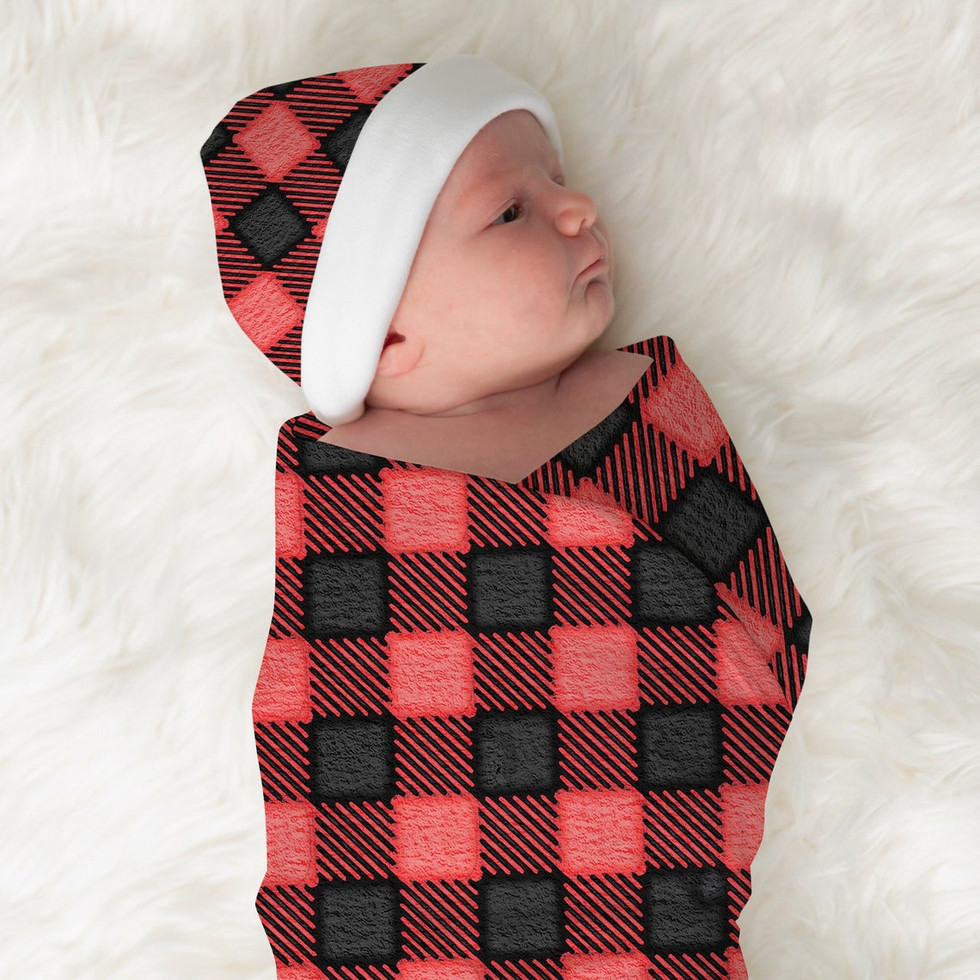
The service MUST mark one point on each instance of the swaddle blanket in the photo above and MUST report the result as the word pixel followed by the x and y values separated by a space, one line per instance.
pixel 524 730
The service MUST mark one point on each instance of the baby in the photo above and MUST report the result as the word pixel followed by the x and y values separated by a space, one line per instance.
pixel 534 646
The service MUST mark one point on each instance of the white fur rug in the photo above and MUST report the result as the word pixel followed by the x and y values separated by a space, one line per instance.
pixel 795 194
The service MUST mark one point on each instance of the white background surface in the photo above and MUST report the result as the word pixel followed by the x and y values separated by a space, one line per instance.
pixel 794 193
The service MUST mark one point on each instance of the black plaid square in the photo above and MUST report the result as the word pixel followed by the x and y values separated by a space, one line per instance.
pixel 515 752
pixel 357 923
pixel 680 747
pixel 346 594
pixel 686 910
pixel 270 226
pixel 714 521
pixel 521 917
pixel 586 454
pixel 509 589
pixel 668 588
pixel 323 459
pixel 221 136
pixel 338 144
pixel 352 759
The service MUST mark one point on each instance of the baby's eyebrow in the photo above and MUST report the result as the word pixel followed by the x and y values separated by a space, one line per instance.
pixel 494 176
pixel 493 169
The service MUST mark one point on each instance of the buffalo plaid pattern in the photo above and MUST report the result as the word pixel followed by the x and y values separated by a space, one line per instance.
pixel 523 730
pixel 273 166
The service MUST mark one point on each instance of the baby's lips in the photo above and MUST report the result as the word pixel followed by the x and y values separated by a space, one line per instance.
pixel 596 252
pixel 601 233
pixel 596 266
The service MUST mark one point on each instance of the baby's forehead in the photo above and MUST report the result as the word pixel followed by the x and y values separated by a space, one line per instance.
pixel 505 146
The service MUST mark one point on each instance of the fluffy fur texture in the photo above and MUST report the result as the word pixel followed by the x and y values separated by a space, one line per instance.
pixel 794 195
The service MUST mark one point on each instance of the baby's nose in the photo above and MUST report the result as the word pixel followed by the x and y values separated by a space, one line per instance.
pixel 576 212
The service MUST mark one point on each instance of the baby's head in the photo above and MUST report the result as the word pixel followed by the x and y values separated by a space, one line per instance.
pixel 450 263
pixel 510 282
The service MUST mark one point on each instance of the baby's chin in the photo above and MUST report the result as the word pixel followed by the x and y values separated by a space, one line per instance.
pixel 605 318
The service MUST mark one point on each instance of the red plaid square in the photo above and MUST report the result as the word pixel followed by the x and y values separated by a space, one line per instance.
pixel 436 837
pixel 282 691
pixel 369 84
pixel 290 540
pixel 424 511
pixel 587 523
pixel 276 141
pixel 615 966
pixel 681 409
pixel 743 812
pixel 600 831
pixel 265 310
pixel 743 672
pixel 736 965
pixel 289 831
pixel 307 971
pixel 440 970
pixel 431 673
pixel 595 668
pixel 220 221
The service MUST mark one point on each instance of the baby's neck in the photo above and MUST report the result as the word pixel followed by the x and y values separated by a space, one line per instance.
pixel 504 436
pixel 537 399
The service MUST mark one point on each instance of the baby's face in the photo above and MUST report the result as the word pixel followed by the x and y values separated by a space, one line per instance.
pixel 512 279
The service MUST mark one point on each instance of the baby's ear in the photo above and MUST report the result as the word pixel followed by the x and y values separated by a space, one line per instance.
pixel 398 356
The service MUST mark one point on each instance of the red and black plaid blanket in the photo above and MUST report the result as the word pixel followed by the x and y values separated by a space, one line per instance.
pixel 524 731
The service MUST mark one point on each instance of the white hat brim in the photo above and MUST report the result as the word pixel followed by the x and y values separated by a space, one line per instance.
pixel 400 161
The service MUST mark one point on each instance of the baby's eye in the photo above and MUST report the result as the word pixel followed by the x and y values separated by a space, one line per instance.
pixel 511 214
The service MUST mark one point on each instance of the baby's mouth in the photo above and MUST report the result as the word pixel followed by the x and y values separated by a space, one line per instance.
pixel 595 268
pixel 601 234
pixel 600 260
